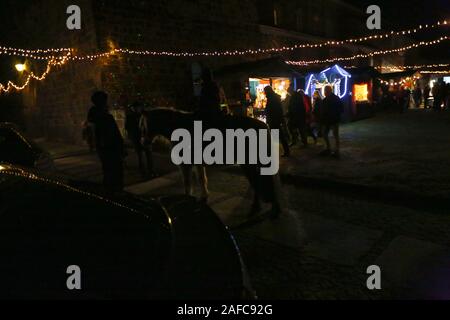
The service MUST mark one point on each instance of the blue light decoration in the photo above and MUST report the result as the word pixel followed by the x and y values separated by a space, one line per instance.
pixel 335 76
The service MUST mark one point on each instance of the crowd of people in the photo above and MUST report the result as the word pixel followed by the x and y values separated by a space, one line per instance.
pixel 441 96
pixel 297 118
pixel 306 118
pixel 436 98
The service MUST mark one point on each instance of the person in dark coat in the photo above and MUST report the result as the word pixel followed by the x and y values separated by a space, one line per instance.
pixel 317 109
pixel 418 96
pixel 306 128
pixel 275 117
pixel 296 116
pixel 437 96
pixel 210 111
pixel 109 142
pixel 330 116
pixel 426 96
pixel 132 126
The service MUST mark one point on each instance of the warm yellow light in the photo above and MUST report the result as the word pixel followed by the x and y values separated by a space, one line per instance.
pixel 361 92
pixel 21 67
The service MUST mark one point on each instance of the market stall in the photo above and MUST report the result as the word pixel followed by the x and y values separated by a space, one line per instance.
pixel 244 84
pixel 354 86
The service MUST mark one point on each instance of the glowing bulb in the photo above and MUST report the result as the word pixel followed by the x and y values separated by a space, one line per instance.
pixel 21 67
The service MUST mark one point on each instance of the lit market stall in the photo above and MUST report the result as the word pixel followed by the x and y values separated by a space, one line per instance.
pixel 396 83
pixel 354 86
pixel 244 84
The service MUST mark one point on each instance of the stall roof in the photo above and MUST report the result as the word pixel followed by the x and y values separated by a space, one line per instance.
pixel 359 71
pixel 266 68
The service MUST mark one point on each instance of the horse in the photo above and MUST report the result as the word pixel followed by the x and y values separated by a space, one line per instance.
pixel 162 122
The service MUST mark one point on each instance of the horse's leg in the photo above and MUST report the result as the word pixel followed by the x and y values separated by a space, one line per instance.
pixel 203 179
pixel 187 178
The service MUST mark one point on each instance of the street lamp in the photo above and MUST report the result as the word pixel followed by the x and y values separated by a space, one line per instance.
pixel 21 67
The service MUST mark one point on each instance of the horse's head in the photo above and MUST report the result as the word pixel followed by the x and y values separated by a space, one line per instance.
pixel 162 122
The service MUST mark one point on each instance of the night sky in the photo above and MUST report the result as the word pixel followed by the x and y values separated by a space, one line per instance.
pixel 405 13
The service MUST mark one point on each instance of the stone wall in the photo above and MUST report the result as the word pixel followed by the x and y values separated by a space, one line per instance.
pixel 55 108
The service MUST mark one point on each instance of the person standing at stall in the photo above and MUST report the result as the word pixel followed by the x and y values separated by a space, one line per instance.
pixel 426 96
pixel 330 115
pixel 295 115
pixel 418 96
pixel 275 117
pixel 317 109
pixel 437 95
pixel 109 142
pixel 306 130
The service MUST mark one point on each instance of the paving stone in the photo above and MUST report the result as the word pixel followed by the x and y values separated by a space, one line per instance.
pixel 421 267
pixel 233 212
pixel 327 239
pixel 216 197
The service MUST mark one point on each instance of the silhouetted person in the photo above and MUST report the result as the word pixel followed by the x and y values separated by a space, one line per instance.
pixel 426 96
pixel 295 115
pixel 132 126
pixel 210 111
pixel 437 95
pixel 402 99
pixel 275 117
pixel 109 142
pixel 330 115
pixel 418 97
pixel 317 109
pixel 305 129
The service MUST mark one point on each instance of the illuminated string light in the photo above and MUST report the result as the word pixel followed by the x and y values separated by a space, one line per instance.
pixel 435 72
pixel 369 55
pixel 37 54
pixel 31 76
pixel 36 51
pixel 414 67
pixel 401 82
pixel 60 56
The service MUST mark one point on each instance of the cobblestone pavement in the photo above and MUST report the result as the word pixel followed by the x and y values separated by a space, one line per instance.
pixel 397 151
pixel 328 237
pixel 324 243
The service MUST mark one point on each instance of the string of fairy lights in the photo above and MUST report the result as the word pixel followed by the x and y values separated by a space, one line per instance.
pixel 60 56
pixel 50 65
pixel 392 68
pixel 36 54
pixel 401 82
pixel 369 55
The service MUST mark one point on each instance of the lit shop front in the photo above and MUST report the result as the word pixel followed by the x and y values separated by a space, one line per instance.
pixel 244 84
pixel 258 97
pixel 257 86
